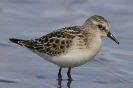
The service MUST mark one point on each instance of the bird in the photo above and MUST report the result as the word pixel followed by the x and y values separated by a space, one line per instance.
pixel 72 46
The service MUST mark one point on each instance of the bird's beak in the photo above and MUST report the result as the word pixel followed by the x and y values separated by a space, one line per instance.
pixel 112 37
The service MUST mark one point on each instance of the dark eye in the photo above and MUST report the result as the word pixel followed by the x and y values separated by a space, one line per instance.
pixel 100 26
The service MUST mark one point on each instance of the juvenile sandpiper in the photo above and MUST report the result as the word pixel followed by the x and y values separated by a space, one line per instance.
pixel 70 46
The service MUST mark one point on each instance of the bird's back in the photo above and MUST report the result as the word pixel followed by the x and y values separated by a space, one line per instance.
pixel 54 43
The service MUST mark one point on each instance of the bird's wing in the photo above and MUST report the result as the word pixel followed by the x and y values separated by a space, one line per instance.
pixel 53 43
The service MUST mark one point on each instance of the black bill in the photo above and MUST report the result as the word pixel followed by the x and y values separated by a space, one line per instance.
pixel 112 37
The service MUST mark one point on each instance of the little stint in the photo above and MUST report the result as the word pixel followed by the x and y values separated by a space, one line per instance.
pixel 70 46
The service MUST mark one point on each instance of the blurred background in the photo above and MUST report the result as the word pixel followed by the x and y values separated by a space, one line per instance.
pixel 29 19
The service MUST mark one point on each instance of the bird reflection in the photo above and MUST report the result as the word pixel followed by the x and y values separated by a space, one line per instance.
pixel 68 83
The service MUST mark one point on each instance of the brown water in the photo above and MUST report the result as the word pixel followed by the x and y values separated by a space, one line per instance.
pixel 29 19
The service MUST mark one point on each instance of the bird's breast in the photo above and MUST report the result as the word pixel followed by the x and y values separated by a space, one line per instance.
pixel 77 55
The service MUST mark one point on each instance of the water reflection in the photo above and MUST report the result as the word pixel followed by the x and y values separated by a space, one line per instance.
pixel 60 83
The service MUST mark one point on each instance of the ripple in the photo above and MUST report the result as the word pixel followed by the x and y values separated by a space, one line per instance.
pixel 21 1
pixel 100 60
pixel 114 80
pixel 6 81
pixel 41 77
pixel 3 44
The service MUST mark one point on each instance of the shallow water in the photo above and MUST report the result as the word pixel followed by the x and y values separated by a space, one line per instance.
pixel 29 19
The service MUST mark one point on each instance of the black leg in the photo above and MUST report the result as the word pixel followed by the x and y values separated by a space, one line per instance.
pixel 59 74
pixel 69 74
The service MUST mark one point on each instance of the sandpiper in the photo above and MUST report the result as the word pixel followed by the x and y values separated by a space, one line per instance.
pixel 70 46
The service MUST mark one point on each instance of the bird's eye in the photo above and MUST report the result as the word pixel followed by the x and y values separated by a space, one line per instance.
pixel 100 26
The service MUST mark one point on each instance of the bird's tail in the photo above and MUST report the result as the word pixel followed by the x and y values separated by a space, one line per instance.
pixel 17 41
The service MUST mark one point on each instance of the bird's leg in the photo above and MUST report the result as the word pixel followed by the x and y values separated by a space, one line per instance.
pixel 69 74
pixel 59 74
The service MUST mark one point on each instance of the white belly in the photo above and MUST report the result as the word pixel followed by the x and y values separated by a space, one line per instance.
pixel 73 58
